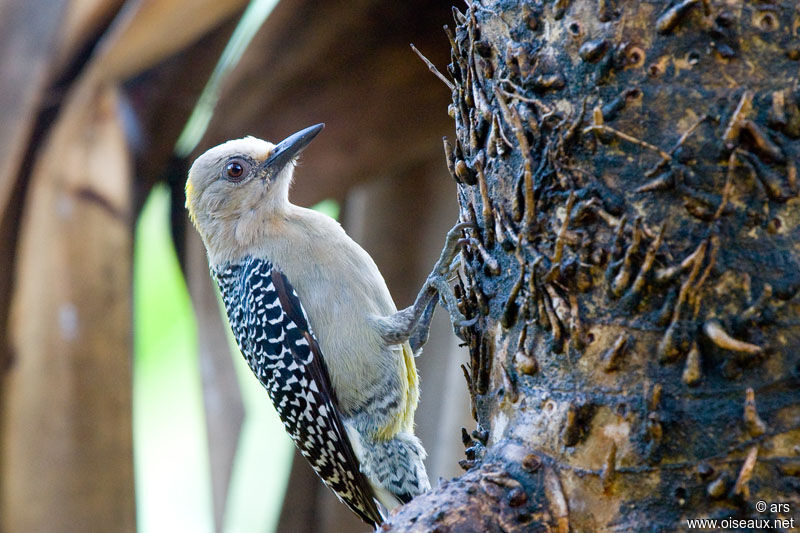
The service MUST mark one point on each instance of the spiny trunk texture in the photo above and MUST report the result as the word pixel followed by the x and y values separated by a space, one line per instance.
pixel 632 169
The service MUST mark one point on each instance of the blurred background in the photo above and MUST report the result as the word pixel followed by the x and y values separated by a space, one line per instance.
pixel 124 404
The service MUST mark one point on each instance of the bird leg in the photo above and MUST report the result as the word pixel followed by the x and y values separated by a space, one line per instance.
pixel 420 334
pixel 413 322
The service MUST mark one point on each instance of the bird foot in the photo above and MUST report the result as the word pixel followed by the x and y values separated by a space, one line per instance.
pixel 413 323
pixel 449 256
pixel 438 279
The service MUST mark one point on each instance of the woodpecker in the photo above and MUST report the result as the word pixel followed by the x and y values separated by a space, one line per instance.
pixel 315 321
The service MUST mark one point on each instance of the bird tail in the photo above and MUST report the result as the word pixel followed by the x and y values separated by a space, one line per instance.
pixel 394 468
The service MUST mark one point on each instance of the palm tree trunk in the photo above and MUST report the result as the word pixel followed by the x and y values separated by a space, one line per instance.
pixel 632 169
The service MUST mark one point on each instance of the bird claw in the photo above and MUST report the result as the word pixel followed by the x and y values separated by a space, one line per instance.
pixel 438 283
pixel 418 316
pixel 447 262
pixel 466 323
pixel 451 246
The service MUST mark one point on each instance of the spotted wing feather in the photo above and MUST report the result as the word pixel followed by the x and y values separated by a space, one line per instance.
pixel 274 334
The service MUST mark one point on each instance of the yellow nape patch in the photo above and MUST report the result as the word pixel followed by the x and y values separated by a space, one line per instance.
pixel 408 399
pixel 190 198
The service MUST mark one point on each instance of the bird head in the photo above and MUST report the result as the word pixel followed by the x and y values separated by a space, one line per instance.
pixel 237 185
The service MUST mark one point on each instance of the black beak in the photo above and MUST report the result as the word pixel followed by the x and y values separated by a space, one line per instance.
pixel 288 149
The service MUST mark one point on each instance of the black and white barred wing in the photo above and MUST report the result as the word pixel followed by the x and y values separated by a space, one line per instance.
pixel 285 355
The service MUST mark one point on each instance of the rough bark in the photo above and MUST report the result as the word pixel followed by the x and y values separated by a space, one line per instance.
pixel 632 170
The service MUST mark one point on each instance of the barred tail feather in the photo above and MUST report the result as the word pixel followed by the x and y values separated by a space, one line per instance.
pixel 394 468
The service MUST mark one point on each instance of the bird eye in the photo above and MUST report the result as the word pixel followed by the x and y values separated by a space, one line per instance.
pixel 235 170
